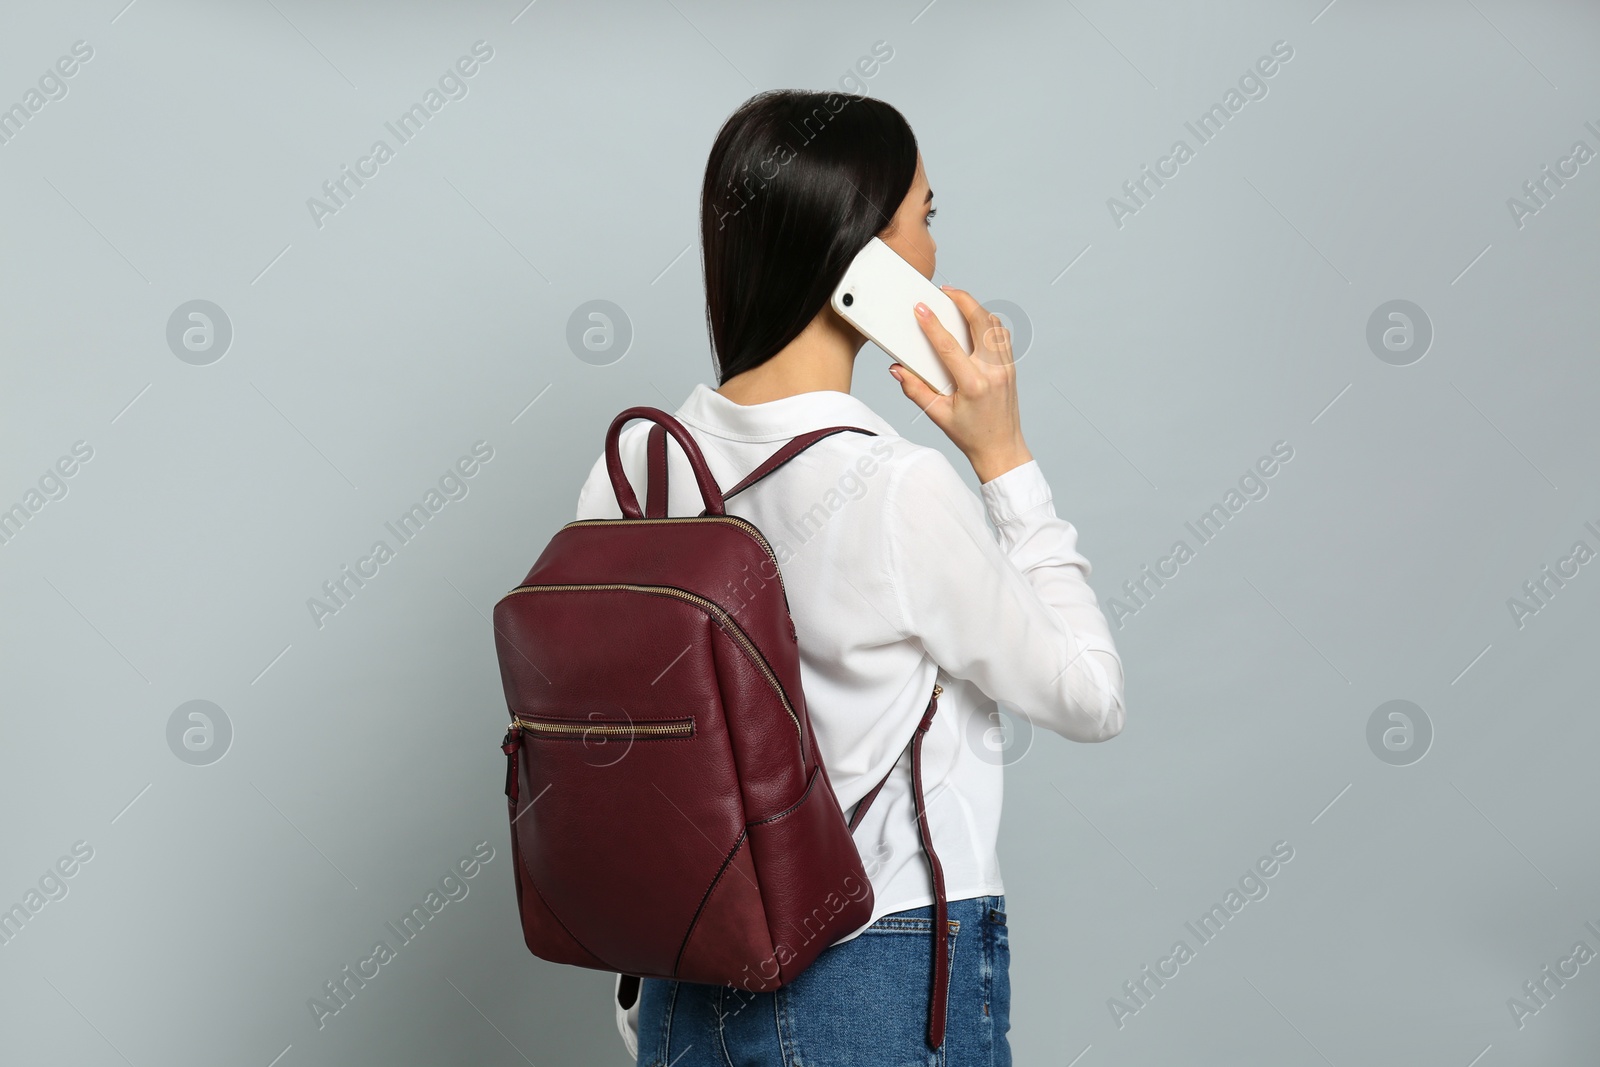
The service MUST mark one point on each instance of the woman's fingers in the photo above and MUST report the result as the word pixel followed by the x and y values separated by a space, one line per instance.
pixel 991 340
pixel 977 319
pixel 917 391
pixel 996 344
pixel 955 359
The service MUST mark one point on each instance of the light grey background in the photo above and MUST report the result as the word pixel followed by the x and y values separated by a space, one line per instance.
pixel 370 353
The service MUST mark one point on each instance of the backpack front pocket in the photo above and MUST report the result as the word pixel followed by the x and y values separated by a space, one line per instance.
pixel 603 730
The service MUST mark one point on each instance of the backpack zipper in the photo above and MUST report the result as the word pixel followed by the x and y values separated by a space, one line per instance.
pixel 723 618
pixel 663 728
pixel 745 524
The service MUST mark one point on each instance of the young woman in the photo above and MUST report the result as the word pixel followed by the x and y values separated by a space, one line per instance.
pixel 893 579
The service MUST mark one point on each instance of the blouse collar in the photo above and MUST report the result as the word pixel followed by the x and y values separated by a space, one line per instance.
pixel 710 411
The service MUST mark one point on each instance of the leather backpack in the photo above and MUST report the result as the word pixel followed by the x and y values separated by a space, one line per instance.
pixel 670 813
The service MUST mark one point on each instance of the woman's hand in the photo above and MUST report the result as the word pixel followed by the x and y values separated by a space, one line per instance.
pixel 981 417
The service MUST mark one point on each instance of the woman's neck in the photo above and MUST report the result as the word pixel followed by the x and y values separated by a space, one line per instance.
pixel 823 356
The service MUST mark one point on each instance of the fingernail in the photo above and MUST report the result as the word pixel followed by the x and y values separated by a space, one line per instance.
pixel 922 310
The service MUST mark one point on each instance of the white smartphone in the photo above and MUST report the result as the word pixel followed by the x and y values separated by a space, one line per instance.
pixel 877 296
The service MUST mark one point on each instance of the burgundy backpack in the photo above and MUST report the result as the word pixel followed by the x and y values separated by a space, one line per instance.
pixel 670 814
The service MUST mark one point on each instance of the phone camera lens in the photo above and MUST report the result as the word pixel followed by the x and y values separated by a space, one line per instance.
pixel 847 299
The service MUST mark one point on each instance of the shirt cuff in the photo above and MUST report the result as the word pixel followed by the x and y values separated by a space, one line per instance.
pixel 1015 493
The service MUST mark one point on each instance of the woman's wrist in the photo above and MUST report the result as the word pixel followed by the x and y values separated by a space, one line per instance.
pixel 990 466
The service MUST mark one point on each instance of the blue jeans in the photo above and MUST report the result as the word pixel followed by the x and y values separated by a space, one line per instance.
pixel 863 1002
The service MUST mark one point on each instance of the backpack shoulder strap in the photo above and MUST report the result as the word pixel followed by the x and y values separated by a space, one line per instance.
pixel 872 794
pixel 790 450
pixel 941 930
pixel 656 453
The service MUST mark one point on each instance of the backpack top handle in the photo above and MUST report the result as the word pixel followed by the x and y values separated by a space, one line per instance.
pixel 710 492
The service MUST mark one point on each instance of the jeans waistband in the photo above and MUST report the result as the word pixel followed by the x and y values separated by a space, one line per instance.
pixel 992 907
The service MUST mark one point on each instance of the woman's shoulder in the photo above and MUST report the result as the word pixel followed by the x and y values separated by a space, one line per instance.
pixel 923 469
pixel 902 467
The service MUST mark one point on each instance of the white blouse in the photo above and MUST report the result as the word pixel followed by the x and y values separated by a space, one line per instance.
pixel 894 583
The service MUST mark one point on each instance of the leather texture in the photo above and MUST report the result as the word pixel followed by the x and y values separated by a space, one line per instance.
pixel 670 814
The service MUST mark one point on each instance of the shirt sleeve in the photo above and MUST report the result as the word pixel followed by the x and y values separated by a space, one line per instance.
pixel 1010 611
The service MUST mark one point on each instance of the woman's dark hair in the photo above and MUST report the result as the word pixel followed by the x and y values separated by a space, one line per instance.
pixel 797 183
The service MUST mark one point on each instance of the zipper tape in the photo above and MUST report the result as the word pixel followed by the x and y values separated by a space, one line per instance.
pixel 579 729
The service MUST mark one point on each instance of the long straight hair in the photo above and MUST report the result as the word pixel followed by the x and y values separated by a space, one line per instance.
pixel 797 183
